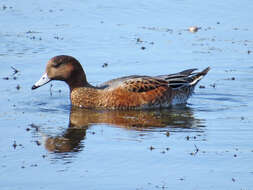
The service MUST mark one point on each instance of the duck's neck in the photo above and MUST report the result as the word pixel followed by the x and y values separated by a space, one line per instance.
pixel 77 80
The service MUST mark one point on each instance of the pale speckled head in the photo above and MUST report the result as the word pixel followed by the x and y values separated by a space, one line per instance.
pixel 64 68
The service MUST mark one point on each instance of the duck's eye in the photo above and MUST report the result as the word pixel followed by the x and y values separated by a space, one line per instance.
pixel 56 64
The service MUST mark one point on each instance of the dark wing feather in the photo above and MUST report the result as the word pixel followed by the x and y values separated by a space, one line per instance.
pixel 184 78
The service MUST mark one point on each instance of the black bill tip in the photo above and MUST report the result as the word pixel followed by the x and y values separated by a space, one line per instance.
pixel 34 87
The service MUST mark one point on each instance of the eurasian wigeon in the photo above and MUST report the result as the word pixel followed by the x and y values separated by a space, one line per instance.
pixel 129 92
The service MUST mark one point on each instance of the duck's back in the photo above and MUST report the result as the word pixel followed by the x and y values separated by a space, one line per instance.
pixel 141 92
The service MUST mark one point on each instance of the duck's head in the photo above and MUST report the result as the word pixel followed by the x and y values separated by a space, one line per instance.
pixel 63 68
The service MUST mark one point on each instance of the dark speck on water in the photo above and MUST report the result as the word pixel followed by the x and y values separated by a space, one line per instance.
pixel 138 40
pixel 151 148
pixel 4 7
pixel 14 145
pixel 38 143
pixel 105 65
pixel 58 38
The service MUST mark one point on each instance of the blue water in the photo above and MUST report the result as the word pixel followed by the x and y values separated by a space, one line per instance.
pixel 206 145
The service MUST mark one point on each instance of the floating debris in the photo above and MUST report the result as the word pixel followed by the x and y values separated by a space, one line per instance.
pixel 38 143
pixel 138 40
pixel 15 70
pixel 58 38
pixel 50 89
pixel 31 32
pixel 151 148
pixel 36 127
pixel 14 145
pixel 193 29
pixel 213 85
pixel 169 30
pixel 105 65
pixel 196 151
pixel 202 86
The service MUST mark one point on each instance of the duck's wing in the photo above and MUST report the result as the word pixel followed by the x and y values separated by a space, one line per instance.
pixel 135 83
pixel 138 83
pixel 118 81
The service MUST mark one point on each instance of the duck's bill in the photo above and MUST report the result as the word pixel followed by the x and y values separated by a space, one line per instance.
pixel 43 80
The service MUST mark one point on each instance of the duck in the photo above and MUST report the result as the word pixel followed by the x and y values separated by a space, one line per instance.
pixel 133 92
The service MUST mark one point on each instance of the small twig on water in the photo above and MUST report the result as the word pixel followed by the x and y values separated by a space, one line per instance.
pixel 196 151
pixel 36 127
pixel 15 70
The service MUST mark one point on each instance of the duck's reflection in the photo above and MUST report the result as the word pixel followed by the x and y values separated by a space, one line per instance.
pixel 81 119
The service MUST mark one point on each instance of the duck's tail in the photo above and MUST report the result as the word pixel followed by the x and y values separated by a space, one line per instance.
pixel 187 78
pixel 196 77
